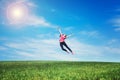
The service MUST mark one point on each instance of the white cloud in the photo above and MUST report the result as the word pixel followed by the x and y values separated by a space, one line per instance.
pixel 117 29
pixel 49 49
pixel 26 2
pixel 113 41
pixel 30 19
pixel 116 23
pixel 85 49
pixel 94 33
pixel 65 57
pixel 31 4
pixel 37 21
pixel 25 54
pixel 3 48
pixel 113 50
pixel 113 46
pixel 70 28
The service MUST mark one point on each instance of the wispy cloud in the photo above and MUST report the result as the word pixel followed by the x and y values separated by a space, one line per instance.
pixel 30 19
pixel 25 54
pixel 37 21
pixel 70 28
pixel 94 33
pixel 49 49
pixel 2 48
pixel 114 50
pixel 113 41
pixel 31 4
pixel 116 23
pixel 85 49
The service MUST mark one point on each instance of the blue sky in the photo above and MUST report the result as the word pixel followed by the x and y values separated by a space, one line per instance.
pixel 95 26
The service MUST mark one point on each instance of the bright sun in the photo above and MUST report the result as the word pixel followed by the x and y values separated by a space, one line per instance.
pixel 17 12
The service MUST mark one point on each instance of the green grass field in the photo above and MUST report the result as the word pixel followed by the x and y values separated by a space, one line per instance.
pixel 59 70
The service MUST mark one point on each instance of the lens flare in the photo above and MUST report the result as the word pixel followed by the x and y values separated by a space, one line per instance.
pixel 17 12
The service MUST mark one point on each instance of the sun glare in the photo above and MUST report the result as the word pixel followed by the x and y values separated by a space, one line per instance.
pixel 16 12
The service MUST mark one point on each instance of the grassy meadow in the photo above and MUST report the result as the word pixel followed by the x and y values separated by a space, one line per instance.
pixel 59 70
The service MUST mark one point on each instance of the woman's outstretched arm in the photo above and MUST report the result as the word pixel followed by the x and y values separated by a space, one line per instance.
pixel 69 35
pixel 59 30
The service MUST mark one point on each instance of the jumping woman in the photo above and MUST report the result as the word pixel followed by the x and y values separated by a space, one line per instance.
pixel 63 43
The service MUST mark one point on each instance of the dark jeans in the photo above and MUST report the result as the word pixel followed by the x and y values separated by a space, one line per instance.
pixel 64 44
